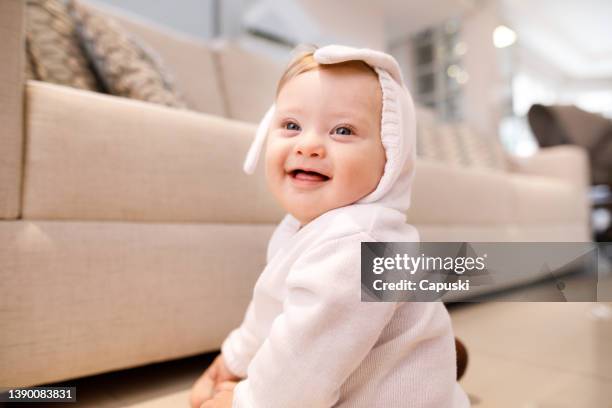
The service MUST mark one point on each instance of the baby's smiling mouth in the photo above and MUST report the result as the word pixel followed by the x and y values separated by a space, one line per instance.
pixel 307 175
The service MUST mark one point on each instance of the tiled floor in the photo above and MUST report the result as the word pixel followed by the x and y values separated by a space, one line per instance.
pixel 531 355
pixel 521 355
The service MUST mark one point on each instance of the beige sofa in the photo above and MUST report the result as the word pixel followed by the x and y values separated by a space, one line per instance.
pixel 130 235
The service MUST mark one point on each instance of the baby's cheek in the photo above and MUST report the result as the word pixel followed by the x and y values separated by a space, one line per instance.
pixel 361 177
pixel 272 172
pixel 274 158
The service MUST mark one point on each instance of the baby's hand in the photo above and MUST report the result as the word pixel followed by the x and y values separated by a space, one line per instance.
pixel 224 396
pixel 204 388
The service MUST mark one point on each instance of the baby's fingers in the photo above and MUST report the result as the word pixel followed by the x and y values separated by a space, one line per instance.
pixel 203 390
pixel 225 386
pixel 208 386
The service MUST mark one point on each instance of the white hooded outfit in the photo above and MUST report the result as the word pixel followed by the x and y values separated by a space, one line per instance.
pixel 307 340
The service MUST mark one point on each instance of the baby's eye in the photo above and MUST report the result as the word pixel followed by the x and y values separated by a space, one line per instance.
pixel 343 130
pixel 292 126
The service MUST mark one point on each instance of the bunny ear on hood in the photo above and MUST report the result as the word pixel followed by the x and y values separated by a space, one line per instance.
pixel 398 125
pixel 250 162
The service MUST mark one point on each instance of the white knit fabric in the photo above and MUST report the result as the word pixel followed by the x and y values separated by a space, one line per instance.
pixel 307 340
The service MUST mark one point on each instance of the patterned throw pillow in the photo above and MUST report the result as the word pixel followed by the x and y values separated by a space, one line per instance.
pixel 53 52
pixel 456 144
pixel 480 151
pixel 451 146
pixel 123 64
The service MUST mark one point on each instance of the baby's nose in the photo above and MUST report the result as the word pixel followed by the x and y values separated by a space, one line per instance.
pixel 310 145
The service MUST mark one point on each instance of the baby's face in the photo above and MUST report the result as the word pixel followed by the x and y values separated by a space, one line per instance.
pixel 324 149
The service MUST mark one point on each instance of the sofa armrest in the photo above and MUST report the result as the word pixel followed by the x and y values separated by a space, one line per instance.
pixel 12 55
pixel 568 163
pixel 100 157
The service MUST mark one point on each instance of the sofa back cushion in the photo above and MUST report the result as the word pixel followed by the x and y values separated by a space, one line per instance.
pixel 248 79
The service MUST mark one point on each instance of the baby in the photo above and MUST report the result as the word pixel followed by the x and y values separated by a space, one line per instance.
pixel 340 157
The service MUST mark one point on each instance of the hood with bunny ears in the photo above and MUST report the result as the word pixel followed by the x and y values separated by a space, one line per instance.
pixel 397 130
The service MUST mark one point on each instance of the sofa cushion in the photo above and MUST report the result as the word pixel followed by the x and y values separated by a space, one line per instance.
pixel 101 296
pixel 249 80
pixel 142 162
pixel 454 195
pixel 125 65
pixel 545 200
pixel 566 231
pixel 566 163
pixel 450 194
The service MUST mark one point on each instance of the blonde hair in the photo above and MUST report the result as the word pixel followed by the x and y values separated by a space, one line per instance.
pixel 303 61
